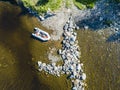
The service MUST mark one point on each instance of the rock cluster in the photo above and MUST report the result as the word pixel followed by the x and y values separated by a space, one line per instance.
pixel 50 68
pixel 104 13
pixel 70 54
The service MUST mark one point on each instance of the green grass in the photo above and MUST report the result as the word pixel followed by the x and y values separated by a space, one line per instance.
pixel 83 4
pixel 68 4
pixel 42 6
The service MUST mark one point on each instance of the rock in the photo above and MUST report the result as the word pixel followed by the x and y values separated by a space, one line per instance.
pixel 72 42
pixel 86 27
pixel 78 67
pixel 44 64
pixel 67 33
pixel 41 18
pixel 63 57
pixel 83 77
pixel 67 45
pixel 75 34
pixel 59 51
pixel 53 64
pixel 66 37
pixel 65 27
pixel 116 29
pixel 77 28
pixel 70 18
pixel 73 27
pixel 74 88
pixel 73 38
pixel 63 41
pixel 101 18
pixel 39 63
pixel 71 24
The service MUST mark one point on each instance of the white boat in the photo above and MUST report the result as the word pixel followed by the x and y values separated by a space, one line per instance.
pixel 40 34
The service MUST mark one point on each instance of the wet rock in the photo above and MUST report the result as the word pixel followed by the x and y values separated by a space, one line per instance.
pixel 86 27
pixel 77 28
pixel 41 18
pixel 83 77
pixel 59 51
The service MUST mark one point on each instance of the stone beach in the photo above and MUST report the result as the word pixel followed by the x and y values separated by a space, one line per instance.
pixel 70 54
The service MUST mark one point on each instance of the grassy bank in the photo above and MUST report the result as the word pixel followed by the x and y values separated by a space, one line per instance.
pixel 83 4
pixel 42 6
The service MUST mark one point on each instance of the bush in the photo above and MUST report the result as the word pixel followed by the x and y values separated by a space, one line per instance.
pixel 83 4
pixel 41 6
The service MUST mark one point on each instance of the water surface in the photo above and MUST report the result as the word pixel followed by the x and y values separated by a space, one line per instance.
pixel 19 53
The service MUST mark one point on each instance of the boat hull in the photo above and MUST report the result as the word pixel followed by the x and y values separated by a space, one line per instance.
pixel 44 35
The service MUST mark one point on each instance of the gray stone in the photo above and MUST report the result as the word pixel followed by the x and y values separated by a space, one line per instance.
pixel 86 27
pixel 77 28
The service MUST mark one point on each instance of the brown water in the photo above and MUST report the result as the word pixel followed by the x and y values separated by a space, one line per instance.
pixel 19 54
pixel 101 60
pixel 16 72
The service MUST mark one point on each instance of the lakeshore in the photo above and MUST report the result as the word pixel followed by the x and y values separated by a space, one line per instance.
pixel 100 59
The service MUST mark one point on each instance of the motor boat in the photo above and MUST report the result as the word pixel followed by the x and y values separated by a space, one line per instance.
pixel 40 34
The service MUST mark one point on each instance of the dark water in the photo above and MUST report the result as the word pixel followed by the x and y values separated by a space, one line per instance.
pixel 16 71
pixel 19 53
pixel 101 60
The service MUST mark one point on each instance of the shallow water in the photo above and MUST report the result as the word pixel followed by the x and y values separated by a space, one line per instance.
pixel 14 42
pixel 19 54
pixel 101 60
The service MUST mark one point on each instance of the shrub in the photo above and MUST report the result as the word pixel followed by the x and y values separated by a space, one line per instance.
pixel 83 4
pixel 41 6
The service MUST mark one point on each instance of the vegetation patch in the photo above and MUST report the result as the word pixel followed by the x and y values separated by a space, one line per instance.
pixel 83 4
pixel 42 6
pixel 68 4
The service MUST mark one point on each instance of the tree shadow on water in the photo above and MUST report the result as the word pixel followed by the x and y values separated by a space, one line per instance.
pixel 10 1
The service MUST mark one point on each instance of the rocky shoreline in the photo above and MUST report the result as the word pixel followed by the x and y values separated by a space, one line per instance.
pixel 101 16
pixel 105 14
pixel 70 54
